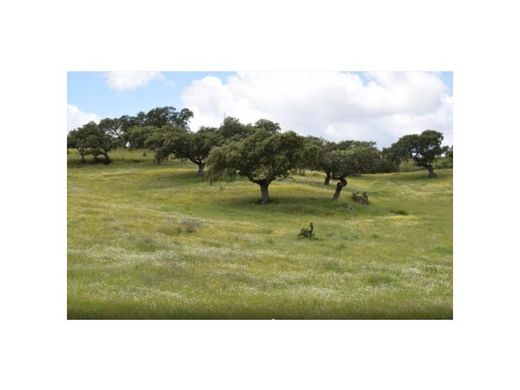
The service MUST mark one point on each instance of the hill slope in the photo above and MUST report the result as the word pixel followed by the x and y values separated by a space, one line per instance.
pixel 147 241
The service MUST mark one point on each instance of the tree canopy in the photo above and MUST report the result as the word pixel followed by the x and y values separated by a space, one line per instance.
pixel 423 148
pixel 262 157
pixel 183 144
pixel 90 139
pixel 348 162
pixel 168 116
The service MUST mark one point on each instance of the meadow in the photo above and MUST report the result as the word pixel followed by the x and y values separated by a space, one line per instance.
pixel 157 242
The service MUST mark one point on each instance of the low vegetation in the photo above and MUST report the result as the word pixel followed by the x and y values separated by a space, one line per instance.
pixel 158 241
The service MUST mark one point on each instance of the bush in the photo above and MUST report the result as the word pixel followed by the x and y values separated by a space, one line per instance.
pixel 307 232
pixel 443 163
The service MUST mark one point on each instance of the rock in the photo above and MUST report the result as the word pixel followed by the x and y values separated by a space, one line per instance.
pixel 360 198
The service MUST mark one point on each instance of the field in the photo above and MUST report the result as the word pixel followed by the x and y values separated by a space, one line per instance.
pixel 148 241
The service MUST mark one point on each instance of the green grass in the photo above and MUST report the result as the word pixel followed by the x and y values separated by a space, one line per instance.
pixel 148 241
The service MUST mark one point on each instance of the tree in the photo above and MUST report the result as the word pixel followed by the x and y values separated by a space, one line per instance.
pixel 423 148
pixel 155 118
pixel 183 144
pixel 353 161
pixel 127 122
pixel 448 153
pixel 349 144
pixel 112 127
pixel 138 135
pixel 262 157
pixel 199 146
pixel 231 128
pixel 369 158
pixel 315 150
pixel 89 139
pixel 267 125
pixel 168 116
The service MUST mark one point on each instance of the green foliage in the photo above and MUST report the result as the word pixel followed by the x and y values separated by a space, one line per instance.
pixel 134 130
pixel 183 144
pixel 90 139
pixel 325 156
pixel 168 116
pixel 443 163
pixel 112 127
pixel 423 148
pixel 353 161
pixel 267 125
pixel 137 136
pixel 232 129
pixel 261 156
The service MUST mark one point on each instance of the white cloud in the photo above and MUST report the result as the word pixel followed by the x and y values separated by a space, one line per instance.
pixel 123 81
pixel 77 118
pixel 335 105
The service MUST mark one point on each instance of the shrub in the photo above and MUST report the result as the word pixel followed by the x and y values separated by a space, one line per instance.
pixel 307 232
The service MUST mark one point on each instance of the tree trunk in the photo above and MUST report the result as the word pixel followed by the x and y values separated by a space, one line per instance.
pixel 431 174
pixel 107 159
pixel 264 190
pixel 327 179
pixel 200 173
pixel 82 158
pixel 341 183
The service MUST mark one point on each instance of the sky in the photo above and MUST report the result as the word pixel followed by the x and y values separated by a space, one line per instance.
pixel 369 106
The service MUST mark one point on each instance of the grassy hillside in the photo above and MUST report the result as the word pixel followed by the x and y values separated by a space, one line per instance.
pixel 147 241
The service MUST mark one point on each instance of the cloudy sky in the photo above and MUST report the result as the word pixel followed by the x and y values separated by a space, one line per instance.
pixel 378 106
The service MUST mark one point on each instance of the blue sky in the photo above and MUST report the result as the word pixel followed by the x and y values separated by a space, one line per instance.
pixel 90 92
pixel 378 106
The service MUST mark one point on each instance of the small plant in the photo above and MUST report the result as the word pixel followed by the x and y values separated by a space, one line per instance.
pixel 190 225
pixel 307 232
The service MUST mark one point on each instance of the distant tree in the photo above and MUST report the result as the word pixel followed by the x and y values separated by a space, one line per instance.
pixel 137 136
pixel 423 148
pixel 349 162
pixel 316 155
pixel 448 152
pixel 232 129
pixel 391 156
pixel 112 127
pixel 168 116
pixel 349 144
pixel 155 118
pixel 262 157
pixel 184 144
pixel 127 122
pixel 267 125
pixel 370 159
pixel 89 139
pixel 198 146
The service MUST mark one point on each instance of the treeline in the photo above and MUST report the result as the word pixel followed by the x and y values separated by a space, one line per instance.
pixel 260 152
